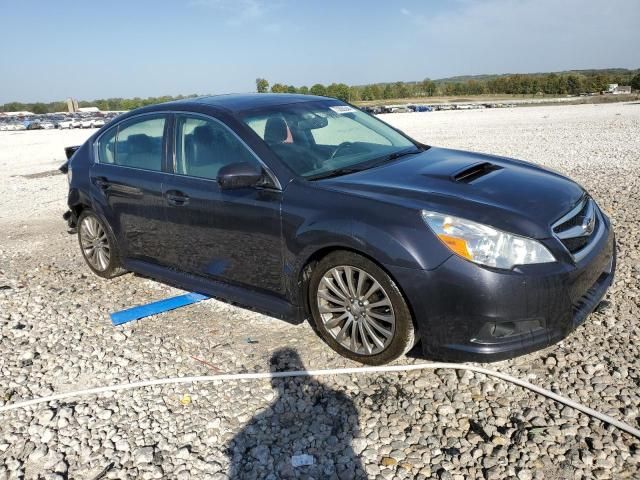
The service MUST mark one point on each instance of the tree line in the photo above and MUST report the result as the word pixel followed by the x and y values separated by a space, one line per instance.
pixel 106 104
pixel 571 83
pixel 518 84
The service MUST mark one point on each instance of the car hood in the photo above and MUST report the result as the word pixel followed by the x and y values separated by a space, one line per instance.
pixel 509 194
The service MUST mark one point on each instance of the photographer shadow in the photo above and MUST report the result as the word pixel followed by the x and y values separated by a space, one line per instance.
pixel 306 418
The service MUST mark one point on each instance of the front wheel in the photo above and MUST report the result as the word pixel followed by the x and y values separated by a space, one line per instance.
pixel 358 310
pixel 98 246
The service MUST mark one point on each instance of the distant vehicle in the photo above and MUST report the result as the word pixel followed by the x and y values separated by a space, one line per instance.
pixel 65 123
pixel 97 123
pixel 76 123
pixel 375 110
pixel 420 108
pixel 47 124
pixel 307 208
pixel 34 125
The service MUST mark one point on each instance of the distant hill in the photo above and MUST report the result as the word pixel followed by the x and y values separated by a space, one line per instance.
pixel 586 72
pixel 486 77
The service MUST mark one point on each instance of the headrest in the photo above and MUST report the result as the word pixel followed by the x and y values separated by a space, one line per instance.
pixel 203 134
pixel 276 130
pixel 139 143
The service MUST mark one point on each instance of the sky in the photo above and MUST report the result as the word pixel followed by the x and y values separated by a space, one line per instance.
pixel 51 50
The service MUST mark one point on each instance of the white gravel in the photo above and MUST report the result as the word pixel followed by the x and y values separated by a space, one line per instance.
pixel 55 335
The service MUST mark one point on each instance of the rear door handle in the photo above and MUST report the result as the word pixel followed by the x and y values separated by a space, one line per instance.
pixel 102 183
pixel 177 198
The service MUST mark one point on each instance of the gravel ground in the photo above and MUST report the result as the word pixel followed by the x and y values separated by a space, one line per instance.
pixel 55 336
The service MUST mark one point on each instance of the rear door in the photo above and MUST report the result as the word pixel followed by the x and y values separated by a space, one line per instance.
pixel 229 235
pixel 126 182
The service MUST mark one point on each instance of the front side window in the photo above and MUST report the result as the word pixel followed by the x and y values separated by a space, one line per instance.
pixel 320 138
pixel 204 146
pixel 136 144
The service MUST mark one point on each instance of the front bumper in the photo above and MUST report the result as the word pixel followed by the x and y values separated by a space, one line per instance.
pixel 465 312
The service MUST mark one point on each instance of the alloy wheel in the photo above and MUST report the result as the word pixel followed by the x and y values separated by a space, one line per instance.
pixel 356 310
pixel 94 243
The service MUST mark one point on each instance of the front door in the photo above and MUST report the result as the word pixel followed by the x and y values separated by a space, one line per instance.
pixel 126 183
pixel 229 235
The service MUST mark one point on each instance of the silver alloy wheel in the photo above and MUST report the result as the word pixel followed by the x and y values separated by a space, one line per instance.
pixel 94 243
pixel 356 310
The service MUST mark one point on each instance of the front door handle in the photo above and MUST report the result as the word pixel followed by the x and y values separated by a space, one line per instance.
pixel 177 198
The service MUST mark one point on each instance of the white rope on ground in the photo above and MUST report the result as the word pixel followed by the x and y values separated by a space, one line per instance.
pixel 337 371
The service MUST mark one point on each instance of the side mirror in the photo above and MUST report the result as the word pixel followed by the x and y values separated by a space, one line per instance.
pixel 238 175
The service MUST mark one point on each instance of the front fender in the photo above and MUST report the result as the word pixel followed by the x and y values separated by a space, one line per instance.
pixel 317 222
pixel 404 244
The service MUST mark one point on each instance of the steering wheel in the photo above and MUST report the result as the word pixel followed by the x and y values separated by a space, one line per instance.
pixel 342 146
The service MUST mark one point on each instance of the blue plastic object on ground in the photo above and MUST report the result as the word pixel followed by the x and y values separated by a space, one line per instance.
pixel 136 313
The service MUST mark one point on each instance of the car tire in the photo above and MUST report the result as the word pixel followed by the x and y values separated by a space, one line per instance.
pixel 363 306
pixel 98 245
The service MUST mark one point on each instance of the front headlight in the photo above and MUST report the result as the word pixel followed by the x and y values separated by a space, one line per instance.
pixel 484 244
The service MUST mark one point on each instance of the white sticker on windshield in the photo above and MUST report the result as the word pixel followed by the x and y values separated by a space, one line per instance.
pixel 343 109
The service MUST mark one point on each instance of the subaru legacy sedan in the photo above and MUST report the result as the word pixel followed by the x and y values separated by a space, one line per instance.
pixel 305 207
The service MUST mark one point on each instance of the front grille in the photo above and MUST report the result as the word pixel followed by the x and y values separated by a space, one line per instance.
pixel 575 244
pixel 576 229
pixel 574 220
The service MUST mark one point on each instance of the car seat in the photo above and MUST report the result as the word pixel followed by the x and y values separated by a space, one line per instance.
pixel 277 131
pixel 140 153
pixel 209 152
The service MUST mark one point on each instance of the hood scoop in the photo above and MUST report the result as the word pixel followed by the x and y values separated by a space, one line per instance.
pixel 474 172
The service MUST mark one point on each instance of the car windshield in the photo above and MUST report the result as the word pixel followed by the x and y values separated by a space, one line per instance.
pixel 319 139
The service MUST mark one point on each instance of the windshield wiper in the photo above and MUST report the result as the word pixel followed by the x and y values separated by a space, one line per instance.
pixel 336 173
pixel 399 154
pixel 346 170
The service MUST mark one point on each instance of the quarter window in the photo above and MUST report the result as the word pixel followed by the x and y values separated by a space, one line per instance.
pixel 204 146
pixel 107 146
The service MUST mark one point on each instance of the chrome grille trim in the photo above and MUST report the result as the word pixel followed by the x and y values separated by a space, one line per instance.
pixel 579 230
pixel 596 236
pixel 593 218
pixel 570 214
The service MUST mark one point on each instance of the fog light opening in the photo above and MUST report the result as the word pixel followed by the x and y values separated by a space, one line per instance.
pixel 503 329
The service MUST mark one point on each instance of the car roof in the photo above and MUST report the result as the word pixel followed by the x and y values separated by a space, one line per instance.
pixel 238 102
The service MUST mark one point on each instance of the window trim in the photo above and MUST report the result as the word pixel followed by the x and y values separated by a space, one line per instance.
pixel 169 142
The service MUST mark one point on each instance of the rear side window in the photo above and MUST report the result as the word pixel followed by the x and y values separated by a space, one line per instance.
pixel 204 146
pixel 136 144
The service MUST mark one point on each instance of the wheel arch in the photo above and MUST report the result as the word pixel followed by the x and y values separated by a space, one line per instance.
pixel 81 207
pixel 304 275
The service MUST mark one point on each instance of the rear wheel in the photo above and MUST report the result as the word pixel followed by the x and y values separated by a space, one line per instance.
pixel 98 246
pixel 358 310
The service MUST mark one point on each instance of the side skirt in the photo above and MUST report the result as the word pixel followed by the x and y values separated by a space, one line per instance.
pixel 242 297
